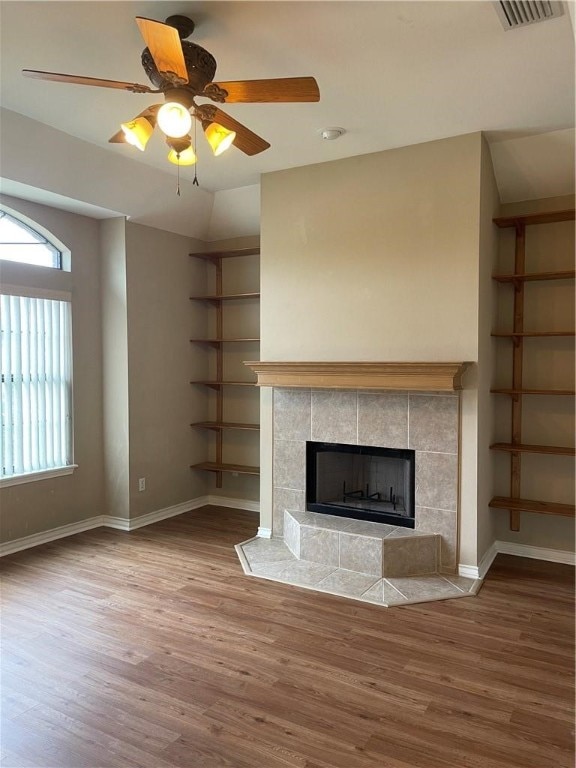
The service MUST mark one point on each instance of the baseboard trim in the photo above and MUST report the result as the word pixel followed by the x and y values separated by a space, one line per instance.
pixel 227 501
pixel 45 537
pixel 264 533
pixel 536 553
pixel 155 517
pixel 518 550
pixel 479 571
pixel 123 523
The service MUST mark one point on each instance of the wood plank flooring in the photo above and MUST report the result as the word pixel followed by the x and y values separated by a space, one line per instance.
pixel 151 649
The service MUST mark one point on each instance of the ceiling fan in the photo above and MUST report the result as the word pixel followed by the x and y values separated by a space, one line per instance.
pixel 183 71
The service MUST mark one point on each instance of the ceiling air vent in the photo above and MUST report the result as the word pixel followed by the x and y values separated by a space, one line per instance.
pixel 520 13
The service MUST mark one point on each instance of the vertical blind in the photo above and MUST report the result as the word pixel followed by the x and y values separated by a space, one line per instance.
pixel 36 385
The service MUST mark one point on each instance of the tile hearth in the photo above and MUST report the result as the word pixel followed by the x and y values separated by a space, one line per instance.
pixel 372 562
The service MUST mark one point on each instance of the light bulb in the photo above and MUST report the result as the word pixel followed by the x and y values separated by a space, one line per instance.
pixel 218 137
pixel 137 132
pixel 174 119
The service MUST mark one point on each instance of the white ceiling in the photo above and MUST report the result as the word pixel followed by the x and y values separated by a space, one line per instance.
pixel 390 73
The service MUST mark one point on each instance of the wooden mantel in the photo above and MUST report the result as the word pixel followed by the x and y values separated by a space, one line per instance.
pixel 426 377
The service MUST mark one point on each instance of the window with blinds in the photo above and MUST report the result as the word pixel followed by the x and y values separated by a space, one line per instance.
pixel 36 369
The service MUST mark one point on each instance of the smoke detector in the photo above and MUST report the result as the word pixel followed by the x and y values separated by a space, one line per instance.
pixel 521 13
pixel 332 133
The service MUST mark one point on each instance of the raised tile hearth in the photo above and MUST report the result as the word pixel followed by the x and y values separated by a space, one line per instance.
pixel 372 562
pixel 412 553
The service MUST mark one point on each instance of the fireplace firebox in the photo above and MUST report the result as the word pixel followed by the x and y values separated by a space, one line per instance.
pixel 361 481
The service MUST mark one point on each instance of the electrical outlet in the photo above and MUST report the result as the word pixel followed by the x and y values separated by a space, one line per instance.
pixel 142 484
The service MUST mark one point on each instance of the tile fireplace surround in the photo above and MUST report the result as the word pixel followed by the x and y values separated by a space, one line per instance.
pixel 373 562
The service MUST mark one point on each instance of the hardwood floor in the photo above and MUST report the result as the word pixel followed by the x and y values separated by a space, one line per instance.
pixel 151 649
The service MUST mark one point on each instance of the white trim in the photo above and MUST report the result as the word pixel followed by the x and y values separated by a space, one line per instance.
pixel 52 535
pixel 518 550
pixel 536 553
pixel 264 533
pixel 227 501
pixel 479 571
pixel 124 523
pixel 33 477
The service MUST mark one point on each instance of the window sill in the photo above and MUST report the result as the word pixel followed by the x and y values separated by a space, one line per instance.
pixel 32 477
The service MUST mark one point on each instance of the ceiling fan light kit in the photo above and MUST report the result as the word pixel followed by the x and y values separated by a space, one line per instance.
pixel 183 71
pixel 174 120
pixel 219 138
pixel 138 132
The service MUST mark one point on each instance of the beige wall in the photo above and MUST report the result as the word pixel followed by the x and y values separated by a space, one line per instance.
pixel 160 277
pixel 487 318
pixel 373 257
pixel 377 258
pixel 115 368
pixel 548 363
pixel 34 507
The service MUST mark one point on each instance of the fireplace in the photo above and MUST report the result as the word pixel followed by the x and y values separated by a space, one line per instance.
pixel 361 481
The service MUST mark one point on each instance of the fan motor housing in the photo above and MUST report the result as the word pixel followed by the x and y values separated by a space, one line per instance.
pixel 200 66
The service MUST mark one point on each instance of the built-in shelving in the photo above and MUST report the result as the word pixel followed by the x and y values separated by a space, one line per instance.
pixel 218 466
pixel 222 341
pixel 519 279
pixel 562 392
pixel 529 505
pixel 217 384
pixel 218 425
pixel 566 274
pixel 554 450
pixel 218 341
pixel 525 334
pixel 226 297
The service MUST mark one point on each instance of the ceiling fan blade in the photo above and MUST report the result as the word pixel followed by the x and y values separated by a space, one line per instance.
pixel 283 89
pixel 164 44
pixel 246 141
pixel 59 77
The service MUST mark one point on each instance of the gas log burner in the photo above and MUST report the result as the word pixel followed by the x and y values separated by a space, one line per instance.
pixel 361 481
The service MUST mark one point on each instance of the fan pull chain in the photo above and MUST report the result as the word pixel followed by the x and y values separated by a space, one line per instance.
pixel 195 179
pixel 178 176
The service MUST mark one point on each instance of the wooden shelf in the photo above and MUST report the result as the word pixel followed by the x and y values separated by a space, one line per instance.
pixel 220 425
pixel 226 297
pixel 534 218
pixel 518 278
pixel 556 450
pixel 220 341
pixel 213 466
pixel 217 384
pixel 569 392
pixel 218 298
pixel 527 277
pixel 524 334
pixel 528 505
pixel 217 255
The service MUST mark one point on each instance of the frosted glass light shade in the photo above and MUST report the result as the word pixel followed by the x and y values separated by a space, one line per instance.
pixel 174 119
pixel 218 137
pixel 186 157
pixel 138 132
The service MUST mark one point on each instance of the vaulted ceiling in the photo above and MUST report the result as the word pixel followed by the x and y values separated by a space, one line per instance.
pixel 390 73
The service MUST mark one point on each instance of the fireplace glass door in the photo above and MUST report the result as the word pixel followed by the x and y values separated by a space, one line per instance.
pixel 361 482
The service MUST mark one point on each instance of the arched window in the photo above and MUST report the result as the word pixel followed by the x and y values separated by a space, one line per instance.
pixel 36 364
pixel 19 242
